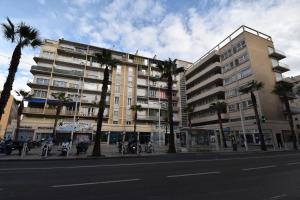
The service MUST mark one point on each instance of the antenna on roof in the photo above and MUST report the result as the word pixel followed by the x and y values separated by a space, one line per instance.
pixel 154 57
pixel 137 51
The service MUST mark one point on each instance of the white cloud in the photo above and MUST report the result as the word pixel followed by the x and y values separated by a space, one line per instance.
pixel 146 25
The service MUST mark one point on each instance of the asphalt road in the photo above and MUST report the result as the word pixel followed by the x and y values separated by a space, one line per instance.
pixel 181 176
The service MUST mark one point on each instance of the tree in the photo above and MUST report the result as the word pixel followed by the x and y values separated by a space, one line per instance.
pixel 104 59
pixel 251 88
pixel 220 107
pixel 285 91
pixel 24 96
pixel 62 99
pixel 169 69
pixel 23 35
pixel 135 109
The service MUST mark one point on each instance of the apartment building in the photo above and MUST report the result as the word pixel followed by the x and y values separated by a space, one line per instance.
pixel 243 56
pixel 10 114
pixel 71 67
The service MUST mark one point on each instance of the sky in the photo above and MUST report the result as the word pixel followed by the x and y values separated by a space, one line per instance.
pixel 182 29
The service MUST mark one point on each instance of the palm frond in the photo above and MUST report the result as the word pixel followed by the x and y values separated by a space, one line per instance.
pixel 36 43
pixel 9 30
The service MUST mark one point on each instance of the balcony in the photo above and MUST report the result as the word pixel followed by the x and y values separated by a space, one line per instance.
pixel 207 118
pixel 39 69
pixel 68 72
pixel 209 80
pixel 204 71
pixel 275 53
pixel 48 111
pixel 72 50
pixel 280 67
pixel 215 90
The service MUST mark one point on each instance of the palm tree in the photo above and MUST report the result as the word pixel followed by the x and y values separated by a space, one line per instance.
pixel 62 99
pixel 169 69
pixel 104 59
pixel 220 107
pixel 251 88
pixel 135 109
pixel 23 35
pixel 24 96
pixel 285 91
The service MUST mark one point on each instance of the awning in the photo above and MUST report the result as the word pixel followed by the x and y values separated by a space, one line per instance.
pixel 36 100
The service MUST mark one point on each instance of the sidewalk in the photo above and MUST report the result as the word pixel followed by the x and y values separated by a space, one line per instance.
pixel 107 151
pixel 111 151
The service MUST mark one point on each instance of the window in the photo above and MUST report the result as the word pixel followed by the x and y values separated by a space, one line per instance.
pixel 152 93
pixel 119 69
pixel 42 81
pixel 128 122
pixel 245 72
pixel 116 113
pixel 298 126
pixel 118 89
pixel 59 83
pixel 117 100
pixel 129 101
pixel 115 122
pixel 243 58
pixel 40 93
pixel 231 108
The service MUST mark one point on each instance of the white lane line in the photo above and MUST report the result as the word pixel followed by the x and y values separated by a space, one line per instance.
pixel 279 196
pixel 142 163
pixel 294 163
pixel 257 168
pixel 194 174
pixel 95 183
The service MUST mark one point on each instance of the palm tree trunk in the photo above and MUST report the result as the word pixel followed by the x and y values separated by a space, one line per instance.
pixel 261 135
pixel 134 125
pixel 58 110
pixel 172 148
pixel 291 123
pixel 102 103
pixel 13 68
pixel 20 111
pixel 221 129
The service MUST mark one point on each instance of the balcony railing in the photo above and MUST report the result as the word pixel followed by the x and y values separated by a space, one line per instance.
pixel 40 68
pixel 276 53
pixel 280 67
pixel 68 72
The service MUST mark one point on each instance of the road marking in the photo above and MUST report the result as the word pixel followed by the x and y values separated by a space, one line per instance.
pixel 294 163
pixel 95 183
pixel 257 168
pixel 194 174
pixel 144 163
pixel 279 196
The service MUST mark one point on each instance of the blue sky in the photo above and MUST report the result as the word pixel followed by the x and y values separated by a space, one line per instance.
pixel 183 29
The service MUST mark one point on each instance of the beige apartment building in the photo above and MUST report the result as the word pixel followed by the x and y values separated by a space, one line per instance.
pixel 10 114
pixel 242 57
pixel 70 67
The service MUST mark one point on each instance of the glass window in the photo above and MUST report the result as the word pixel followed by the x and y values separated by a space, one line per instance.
pixel 118 89
pixel 59 83
pixel 117 100
pixel 42 81
pixel 116 113
pixel 129 101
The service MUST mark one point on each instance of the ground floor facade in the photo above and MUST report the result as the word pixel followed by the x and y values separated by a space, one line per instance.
pixel 277 135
